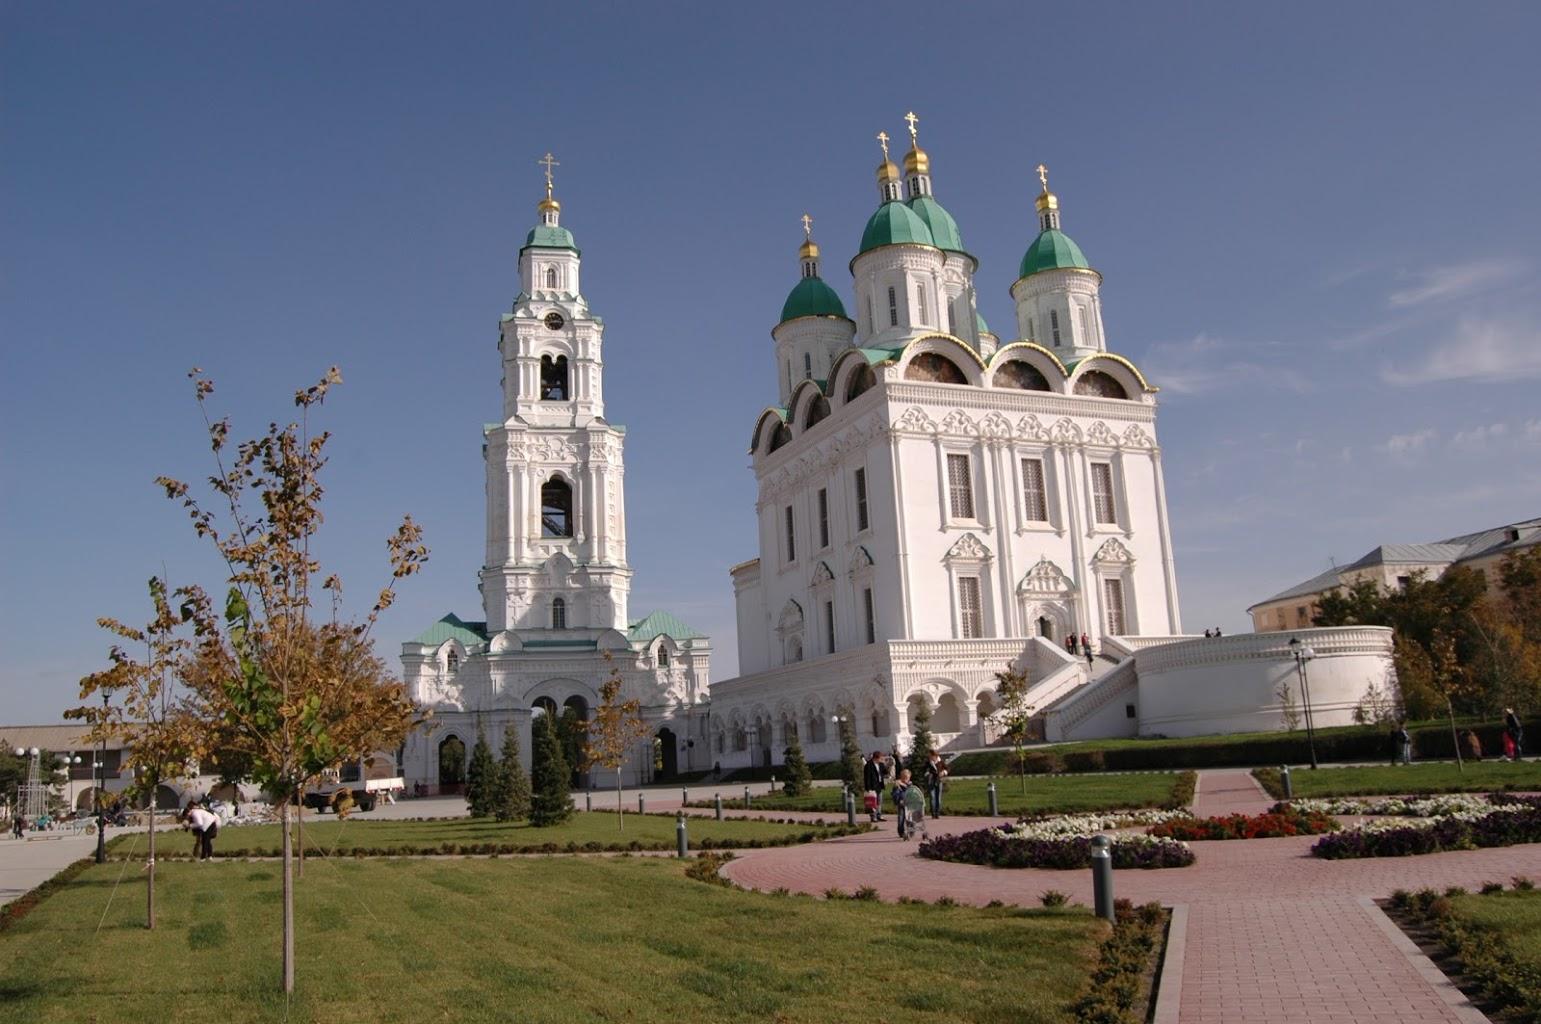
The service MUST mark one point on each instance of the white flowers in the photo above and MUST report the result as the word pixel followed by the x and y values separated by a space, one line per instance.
pixel 1070 826
pixel 1419 807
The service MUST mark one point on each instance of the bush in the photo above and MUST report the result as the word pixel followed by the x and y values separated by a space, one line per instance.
pixel 1117 982
pixel 1506 979
pixel 1054 898
pixel 1241 826
pixel 998 848
pixel 1085 761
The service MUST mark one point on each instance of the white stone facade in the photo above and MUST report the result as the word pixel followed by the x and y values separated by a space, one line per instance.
pixel 555 582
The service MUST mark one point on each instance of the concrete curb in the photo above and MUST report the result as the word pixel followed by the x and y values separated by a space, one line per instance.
pixel 1169 990
pixel 1452 996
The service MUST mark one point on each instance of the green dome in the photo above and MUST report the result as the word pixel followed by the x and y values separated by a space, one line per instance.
pixel 944 230
pixel 980 325
pixel 893 223
pixel 1053 250
pixel 812 297
pixel 543 237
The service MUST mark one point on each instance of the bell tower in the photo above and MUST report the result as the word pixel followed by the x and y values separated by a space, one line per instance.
pixel 556 519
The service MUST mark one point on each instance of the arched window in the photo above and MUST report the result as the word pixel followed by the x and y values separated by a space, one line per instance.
pixel 550 277
pixel 1099 384
pixel 818 409
pixel 861 380
pixel 893 309
pixel 663 656
pixel 920 303
pixel 558 613
pixel 1054 324
pixel 807 366
pixel 931 367
pixel 553 378
pixel 452 661
pixel 1017 374
pixel 556 508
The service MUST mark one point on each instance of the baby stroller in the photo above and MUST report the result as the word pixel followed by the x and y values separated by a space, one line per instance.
pixel 915 812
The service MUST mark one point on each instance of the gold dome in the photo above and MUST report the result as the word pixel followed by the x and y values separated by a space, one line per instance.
pixel 1046 201
pixel 887 171
pixel 548 204
pixel 809 250
pixel 916 161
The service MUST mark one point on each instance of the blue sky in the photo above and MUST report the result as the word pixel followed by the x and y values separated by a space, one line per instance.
pixel 1317 226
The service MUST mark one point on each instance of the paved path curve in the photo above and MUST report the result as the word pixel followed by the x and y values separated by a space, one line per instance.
pixel 1273 934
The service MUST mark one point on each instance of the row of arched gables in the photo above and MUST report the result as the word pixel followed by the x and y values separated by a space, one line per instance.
pixel 812 720
pixel 943 359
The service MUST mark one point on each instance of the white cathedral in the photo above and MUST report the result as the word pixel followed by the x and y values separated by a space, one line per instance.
pixel 555 581
pixel 935 505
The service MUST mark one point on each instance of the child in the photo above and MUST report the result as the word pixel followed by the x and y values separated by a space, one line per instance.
pixel 902 788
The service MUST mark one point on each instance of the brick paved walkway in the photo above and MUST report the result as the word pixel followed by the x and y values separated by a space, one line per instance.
pixel 1274 935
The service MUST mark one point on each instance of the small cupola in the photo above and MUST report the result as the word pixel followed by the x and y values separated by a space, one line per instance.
pixel 917 165
pixel 888 174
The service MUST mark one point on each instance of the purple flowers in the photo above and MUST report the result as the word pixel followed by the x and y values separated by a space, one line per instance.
pixel 1498 828
pixel 999 848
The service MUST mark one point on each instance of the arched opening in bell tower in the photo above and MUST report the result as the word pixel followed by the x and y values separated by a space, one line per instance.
pixel 556 508
pixel 553 378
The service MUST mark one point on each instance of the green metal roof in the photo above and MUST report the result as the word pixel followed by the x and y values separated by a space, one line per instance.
pixel 661 622
pixel 980 325
pixel 1052 250
pixel 451 627
pixel 543 237
pixel 893 223
pixel 944 230
pixel 587 645
pixel 812 297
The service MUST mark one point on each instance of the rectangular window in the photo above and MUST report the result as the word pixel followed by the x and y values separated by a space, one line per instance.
pixel 970 613
pixel 1029 328
pixel 1086 327
pixel 1054 324
pixel 960 487
pixel 952 319
pixel 920 303
pixel 870 616
pixel 807 366
pixel 1102 493
pixel 893 309
pixel 1113 598
pixel 823 518
pixel 829 627
pixel 791 537
pixel 1301 617
pixel 1035 500
pixel 861 499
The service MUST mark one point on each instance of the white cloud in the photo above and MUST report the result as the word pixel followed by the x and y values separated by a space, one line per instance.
pixel 1480 438
pixel 1410 446
pixel 1531 431
pixel 1479 350
pixel 1453 282
pixel 1205 363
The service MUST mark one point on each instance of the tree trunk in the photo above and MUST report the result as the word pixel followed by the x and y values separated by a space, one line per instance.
pixel 288 850
pixel 620 814
pixel 1022 769
pixel 1460 765
pixel 299 833
pixel 149 906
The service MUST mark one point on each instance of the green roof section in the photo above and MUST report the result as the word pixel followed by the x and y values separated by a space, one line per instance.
pixel 980 325
pixel 812 297
pixel 661 623
pixel 452 627
pixel 944 230
pixel 586 645
pixel 1053 250
pixel 543 237
pixel 893 223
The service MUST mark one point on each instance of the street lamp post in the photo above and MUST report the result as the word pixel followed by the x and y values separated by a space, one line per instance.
pixel 101 805
pixel 1303 653
pixel 69 761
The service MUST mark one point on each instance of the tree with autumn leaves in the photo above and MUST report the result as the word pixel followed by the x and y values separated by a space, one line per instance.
pixel 261 678
pixel 614 728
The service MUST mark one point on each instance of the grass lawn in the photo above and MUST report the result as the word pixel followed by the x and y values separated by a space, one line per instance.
pixel 558 940
pixel 1046 794
pixel 1435 777
pixel 483 835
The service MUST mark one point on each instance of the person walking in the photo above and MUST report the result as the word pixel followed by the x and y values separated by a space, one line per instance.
pixel 1086 648
pixel 901 792
pixel 872 786
pixel 934 772
pixel 18 825
pixel 1514 735
pixel 1070 643
pixel 1403 744
pixel 205 826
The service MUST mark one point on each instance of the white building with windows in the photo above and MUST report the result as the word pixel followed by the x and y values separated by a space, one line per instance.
pixel 935 504
pixel 555 581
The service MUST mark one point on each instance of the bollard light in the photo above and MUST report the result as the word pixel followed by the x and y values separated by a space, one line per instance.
pixel 1102 878
pixel 746 798
pixel 717 802
pixel 641 803
pixel 850 811
pixel 1284 780
pixel 588 800
pixel 684 796
pixel 681 843
pixel 994 807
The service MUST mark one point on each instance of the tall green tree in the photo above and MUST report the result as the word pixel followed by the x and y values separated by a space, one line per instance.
pixel 270 679
pixel 799 777
pixel 481 778
pixel 511 798
pixel 550 799
pixel 1015 715
pixel 850 752
pixel 922 742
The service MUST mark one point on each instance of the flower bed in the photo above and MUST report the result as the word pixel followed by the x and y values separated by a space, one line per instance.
pixel 1409 807
pixel 1062 825
pixel 1008 848
pixel 1241 826
pixel 1499 826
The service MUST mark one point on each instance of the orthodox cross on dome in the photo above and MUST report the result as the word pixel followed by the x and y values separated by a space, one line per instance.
pixel 549 161
pixel 912 121
pixel 1043 176
pixel 883 141
pixel 807 226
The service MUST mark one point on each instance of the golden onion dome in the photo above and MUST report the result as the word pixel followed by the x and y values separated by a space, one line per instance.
pixel 548 204
pixel 809 250
pixel 916 161
pixel 887 171
pixel 1046 201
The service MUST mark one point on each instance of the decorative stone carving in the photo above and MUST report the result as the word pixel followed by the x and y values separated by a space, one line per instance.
pixel 995 427
pixel 1030 429
pixel 914 421
pixel 1045 579
pixel 1065 432
pixel 1113 552
pixel 969 548
pixel 821 575
pixel 791 620
pixel 959 422
pixel 861 561
pixel 1100 435
pixel 1135 437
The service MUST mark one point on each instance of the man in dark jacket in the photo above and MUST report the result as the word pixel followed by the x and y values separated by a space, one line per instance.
pixel 872 778
pixel 932 775
pixel 1514 735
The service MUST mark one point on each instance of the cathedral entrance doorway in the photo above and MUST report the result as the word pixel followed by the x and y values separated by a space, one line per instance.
pixel 452 765
pixel 1045 627
pixel 667 763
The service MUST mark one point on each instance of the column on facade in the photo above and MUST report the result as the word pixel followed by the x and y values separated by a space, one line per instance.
pixel 1169 570
pixel 901 527
pixel 1072 511
pixel 1004 517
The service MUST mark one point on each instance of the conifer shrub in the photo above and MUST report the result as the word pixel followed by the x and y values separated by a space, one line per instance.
pixel 481 778
pixel 511 797
pixel 799 779
pixel 549 774
pixel 922 742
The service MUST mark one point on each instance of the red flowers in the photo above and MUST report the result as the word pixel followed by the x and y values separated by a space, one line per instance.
pixel 1241 826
